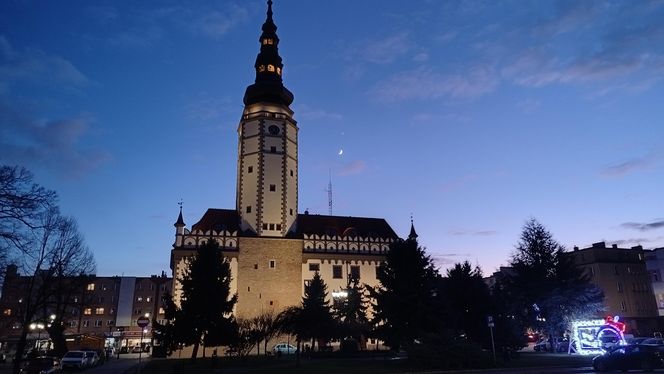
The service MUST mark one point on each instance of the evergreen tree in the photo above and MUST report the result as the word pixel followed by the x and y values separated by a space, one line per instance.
pixel 316 318
pixel 405 306
pixel 207 303
pixel 351 312
pixel 547 289
pixel 167 335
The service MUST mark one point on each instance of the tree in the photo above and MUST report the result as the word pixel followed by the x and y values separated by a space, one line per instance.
pixel 467 302
pixel 267 326
pixel 405 304
pixel 351 312
pixel 548 290
pixel 206 302
pixel 166 333
pixel 316 317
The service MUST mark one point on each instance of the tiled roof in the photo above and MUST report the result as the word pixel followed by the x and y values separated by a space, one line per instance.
pixel 343 226
pixel 217 220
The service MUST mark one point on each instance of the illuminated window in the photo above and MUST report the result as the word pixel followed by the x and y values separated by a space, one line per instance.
pixel 91 286
pixel 103 287
pixel 99 311
pixel 161 310
pixel 139 299
pixel 147 299
pixel 268 41
pixel 314 267
pixel 261 68
pixel 270 68
pixel 336 271
pixel 87 311
pixel 7 312
pixel 279 70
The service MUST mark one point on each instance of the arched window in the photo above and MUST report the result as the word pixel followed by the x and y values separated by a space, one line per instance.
pixel 261 68
pixel 270 68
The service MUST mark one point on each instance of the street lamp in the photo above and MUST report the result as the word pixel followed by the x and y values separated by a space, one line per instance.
pixel 39 327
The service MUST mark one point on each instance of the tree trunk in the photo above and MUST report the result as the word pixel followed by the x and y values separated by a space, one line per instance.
pixel 297 353
pixel 20 348
pixel 194 353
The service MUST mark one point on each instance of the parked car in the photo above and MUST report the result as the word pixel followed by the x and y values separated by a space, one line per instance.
pixel 136 349
pixel 283 349
pixel 74 359
pixel 557 345
pixel 42 365
pixel 630 357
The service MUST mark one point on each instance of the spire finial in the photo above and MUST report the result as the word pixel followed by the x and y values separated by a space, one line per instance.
pixel 180 221
pixel 413 234
pixel 269 9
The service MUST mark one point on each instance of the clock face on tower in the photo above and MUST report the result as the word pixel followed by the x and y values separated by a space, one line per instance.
pixel 273 130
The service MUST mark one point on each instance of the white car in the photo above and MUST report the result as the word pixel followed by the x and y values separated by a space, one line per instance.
pixel 92 358
pixel 283 349
pixel 74 359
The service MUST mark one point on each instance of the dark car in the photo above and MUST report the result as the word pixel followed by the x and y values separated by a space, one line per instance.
pixel 630 357
pixel 42 365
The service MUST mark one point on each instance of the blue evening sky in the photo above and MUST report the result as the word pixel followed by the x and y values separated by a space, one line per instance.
pixel 472 115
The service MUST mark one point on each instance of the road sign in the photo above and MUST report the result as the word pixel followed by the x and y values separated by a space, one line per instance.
pixel 489 321
pixel 142 321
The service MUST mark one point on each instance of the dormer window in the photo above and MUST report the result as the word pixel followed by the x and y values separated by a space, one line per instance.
pixel 261 68
pixel 270 68
pixel 279 70
pixel 268 41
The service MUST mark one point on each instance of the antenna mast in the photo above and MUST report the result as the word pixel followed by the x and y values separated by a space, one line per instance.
pixel 329 194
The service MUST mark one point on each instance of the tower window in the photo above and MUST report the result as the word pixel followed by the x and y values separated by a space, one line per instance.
pixel 248 208
pixel 271 226
pixel 278 226
pixel 279 70
pixel 291 212
pixel 273 264
pixel 265 226
pixel 291 172
pixel 273 188
pixel 273 149
pixel 314 267
pixel 270 68
pixel 255 266
pixel 261 68
pixel 250 169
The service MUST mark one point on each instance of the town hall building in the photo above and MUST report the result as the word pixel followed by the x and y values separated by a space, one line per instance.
pixel 274 250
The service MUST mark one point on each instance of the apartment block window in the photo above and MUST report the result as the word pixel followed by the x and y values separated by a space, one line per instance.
pixel 620 287
pixel 99 311
pixel 314 267
pixel 355 272
pixel 139 299
pixel 248 210
pixel 75 299
pixel 336 272
pixel 273 264
pixel 7 312
pixel 147 299
pixel 91 287
pixel 110 322
pixel 72 324
pixel 291 172
pixel 278 226
pixel 103 287
pixel 161 310
pixel 87 311
pixel 98 323
pixel 86 323
pixel 623 307
pixel 273 187
pixel 111 311
pixel 250 169
pixel 100 299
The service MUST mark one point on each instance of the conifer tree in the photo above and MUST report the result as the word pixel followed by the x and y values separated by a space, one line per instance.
pixel 207 303
pixel 316 317
pixel 351 312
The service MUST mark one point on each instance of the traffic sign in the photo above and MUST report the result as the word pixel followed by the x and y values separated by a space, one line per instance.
pixel 142 321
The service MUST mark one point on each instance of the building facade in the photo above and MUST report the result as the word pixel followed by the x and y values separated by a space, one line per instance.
pixel 105 307
pixel 655 266
pixel 274 250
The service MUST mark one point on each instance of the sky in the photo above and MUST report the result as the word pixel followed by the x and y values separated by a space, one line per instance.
pixel 471 116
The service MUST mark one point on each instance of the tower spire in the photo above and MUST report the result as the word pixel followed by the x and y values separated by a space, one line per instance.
pixel 413 234
pixel 269 68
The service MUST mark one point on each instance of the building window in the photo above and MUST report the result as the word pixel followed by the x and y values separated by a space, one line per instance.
pixel 98 323
pixel 336 271
pixel 139 299
pixel 91 287
pixel 72 323
pixel 273 149
pixel 616 270
pixel 265 226
pixel 151 286
pixel 86 323
pixel 291 172
pixel 250 169
pixel 99 311
pixel 147 299
pixel 103 287
pixel 137 311
pixel 271 302
pixel 111 311
pixel 377 271
pixel 7 312
pixel 75 300
pixel 271 226
pixel 161 310
pixel 623 307
pixel 273 264
pixel 314 267
pixel 291 212
pixel 355 272
pixel 255 266
pixel 138 286
pixel 620 287
pixel 110 322
pixel 248 208
pixel 273 188
pixel 278 226
pixel 87 311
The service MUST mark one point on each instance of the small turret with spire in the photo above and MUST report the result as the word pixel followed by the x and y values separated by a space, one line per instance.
pixel 413 234
pixel 179 226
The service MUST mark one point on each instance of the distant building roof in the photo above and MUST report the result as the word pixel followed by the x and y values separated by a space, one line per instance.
pixel 343 226
pixel 218 220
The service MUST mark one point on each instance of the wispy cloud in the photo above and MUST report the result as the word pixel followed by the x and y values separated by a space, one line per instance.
pixel 626 167
pixel 308 113
pixel 353 168
pixel 381 51
pixel 444 259
pixel 473 233
pixel 643 226
pixel 426 83
pixel 205 107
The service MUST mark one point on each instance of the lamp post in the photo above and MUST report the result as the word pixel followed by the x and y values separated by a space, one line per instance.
pixel 39 327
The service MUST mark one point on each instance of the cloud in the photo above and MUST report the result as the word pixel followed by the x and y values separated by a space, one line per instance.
pixel 383 51
pixel 473 233
pixel 443 259
pixel 643 226
pixel 425 83
pixel 305 112
pixel 353 168
pixel 35 67
pixel 629 166
pixel 54 144
pixel 206 108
